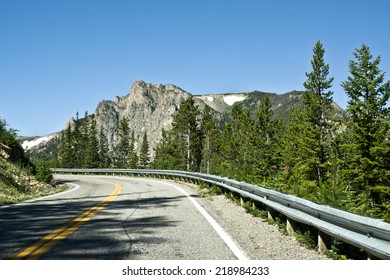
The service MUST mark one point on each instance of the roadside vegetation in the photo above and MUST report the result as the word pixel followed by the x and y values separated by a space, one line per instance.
pixel 21 179
pixel 318 155
pixel 315 152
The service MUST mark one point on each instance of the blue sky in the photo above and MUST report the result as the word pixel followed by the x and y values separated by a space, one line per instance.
pixel 60 57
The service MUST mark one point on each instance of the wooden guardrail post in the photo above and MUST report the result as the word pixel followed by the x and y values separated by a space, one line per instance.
pixel 324 242
pixel 291 226
pixel 271 213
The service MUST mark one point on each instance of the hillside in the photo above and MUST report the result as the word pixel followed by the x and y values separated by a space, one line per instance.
pixel 150 108
pixel 17 173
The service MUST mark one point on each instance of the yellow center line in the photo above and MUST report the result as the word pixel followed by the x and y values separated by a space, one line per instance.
pixel 36 250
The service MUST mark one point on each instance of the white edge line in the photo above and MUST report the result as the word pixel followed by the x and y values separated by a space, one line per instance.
pixel 217 227
pixel 74 187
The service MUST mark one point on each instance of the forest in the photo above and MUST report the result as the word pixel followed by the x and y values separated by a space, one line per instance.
pixel 343 162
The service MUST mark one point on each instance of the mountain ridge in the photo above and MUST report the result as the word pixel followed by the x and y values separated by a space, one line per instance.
pixel 151 107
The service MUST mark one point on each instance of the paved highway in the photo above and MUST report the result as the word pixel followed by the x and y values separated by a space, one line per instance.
pixel 114 218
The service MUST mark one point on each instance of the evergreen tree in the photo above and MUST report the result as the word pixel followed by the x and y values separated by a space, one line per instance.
pixel 186 128
pixel 122 149
pixel 167 153
pixel 67 154
pixel 144 157
pixel 78 141
pixel 318 110
pixel 295 167
pixel 367 138
pixel 227 151
pixel 310 162
pixel 103 150
pixel 132 155
pixel 238 145
pixel 181 147
pixel 43 173
pixel 244 139
pixel 267 143
pixel 211 138
pixel 92 159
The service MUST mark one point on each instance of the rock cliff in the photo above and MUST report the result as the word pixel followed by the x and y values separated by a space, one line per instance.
pixel 147 107
pixel 151 107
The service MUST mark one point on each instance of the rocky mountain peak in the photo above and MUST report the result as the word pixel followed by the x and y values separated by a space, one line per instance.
pixel 148 107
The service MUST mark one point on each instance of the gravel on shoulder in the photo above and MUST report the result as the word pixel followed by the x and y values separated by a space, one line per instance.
pixel 255 236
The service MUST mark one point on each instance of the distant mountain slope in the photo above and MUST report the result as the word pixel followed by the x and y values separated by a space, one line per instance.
pixel 150 108
pixel 18 180
pixel 223 103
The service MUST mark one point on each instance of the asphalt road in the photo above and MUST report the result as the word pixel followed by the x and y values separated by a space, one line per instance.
pixel 113 218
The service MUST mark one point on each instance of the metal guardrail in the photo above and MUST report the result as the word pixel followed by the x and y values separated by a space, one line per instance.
pixel 371 235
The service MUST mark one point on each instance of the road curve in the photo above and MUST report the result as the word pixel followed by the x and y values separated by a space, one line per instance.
pixel 114 218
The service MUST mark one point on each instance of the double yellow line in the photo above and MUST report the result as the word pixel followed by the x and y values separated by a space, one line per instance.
pixel 36 250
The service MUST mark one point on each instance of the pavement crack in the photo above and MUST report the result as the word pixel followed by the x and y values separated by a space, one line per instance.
pixel 125 221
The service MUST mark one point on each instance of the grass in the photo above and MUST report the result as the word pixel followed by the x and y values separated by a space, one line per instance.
pixel 10 195
pixel 304 234
pixel 17 185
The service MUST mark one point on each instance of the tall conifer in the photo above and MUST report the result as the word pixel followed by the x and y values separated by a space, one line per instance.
pixel 104 159
pixel 92 153
pixel 186 128
pixel 211 136
pixel 367 137
pixel 144 157
pixel 123 146
pixel 267 144
pixel 318 110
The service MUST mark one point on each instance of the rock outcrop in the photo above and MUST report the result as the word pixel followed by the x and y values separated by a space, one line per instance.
pixel 148 107
pixel 151 107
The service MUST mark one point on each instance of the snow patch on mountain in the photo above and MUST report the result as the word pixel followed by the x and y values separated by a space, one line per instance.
pixel 231 99
pixel 29 144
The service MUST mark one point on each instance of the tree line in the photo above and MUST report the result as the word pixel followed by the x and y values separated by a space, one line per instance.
pixel 82 145
pixel 317 155
pixel 339 161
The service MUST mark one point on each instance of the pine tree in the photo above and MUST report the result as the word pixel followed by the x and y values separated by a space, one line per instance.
pixel 103 150
pixel 211 138
pixel 318 109
pixel 132 155
pixel 267 143
pixel 294 157
pixel 167 153
pixel 227 151
pixel 79 142
pixel 367 137
pixel 122 148
pixel 67 154
pixel 308 141
pixel 238 145
pixel 244 139
pixel 186 128
pixel 43 173
pixel 92 153
pixel 144 157
pixel 181 147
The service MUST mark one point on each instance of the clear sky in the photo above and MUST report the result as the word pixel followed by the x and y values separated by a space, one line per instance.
pixel 60 57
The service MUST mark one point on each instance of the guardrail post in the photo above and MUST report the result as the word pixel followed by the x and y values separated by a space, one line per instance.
pixel 271 213
pixel 324 242
pixel 291 226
